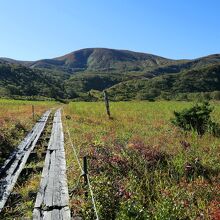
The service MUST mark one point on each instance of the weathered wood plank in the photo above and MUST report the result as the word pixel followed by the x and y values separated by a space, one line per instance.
pixel 16 162
pixel 44 180
pixel 55 214
pixel 47 215
pixel 65 213
pixel 56 193
pixel 48 196
pixel 36 214
pixel 53 199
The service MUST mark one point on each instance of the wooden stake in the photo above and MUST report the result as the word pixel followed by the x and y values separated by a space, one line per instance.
pixel 107 103
pixel 85 172
pixel 33 112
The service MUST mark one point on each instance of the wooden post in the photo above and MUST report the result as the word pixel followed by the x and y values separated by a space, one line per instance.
pixel 33 112
pixel 85 172
pixel 107 103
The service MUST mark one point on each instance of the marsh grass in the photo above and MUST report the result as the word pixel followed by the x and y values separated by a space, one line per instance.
pixel 16 120
pixel 141 166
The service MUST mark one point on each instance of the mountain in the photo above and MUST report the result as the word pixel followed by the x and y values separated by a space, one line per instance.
pixel 4 60
pixel 98 59
pixel 76 74
pixel 103 59
pixel 109 59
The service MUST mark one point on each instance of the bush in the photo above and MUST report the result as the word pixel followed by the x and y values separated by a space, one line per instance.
pixel 215 95
pixel 197 118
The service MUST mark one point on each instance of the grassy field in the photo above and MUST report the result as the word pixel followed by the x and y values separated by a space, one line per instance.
pixel 141 166
pixel 15 120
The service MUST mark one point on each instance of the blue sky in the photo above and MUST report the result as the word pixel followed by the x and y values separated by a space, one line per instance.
pixel 36 29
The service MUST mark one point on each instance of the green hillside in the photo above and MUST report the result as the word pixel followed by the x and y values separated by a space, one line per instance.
pixel 102 59
pixel 18 80
pixel 170 85
pixel 127 75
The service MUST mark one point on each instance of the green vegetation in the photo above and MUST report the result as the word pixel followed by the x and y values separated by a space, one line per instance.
pixel 204 82
pixel 84 74
pixel 197 118
pixel 17 80
pixel 141 166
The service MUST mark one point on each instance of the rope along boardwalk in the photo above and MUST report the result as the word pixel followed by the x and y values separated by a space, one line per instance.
pixel 82 173
pixel 13 166
pixel 53 199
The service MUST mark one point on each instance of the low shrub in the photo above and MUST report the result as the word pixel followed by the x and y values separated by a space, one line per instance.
pixel 197 118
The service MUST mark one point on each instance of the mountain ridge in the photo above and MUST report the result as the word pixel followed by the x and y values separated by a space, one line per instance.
pixel 79 72
pixel 103 58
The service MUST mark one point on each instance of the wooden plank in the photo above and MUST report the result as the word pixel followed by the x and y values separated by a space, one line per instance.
pixel 65 213
pixel 55 214
pixel 47 215
pixel 36 214
pixel 14 165
pixel 56 189
pixel 44 180
pixel 53 198
pixel 48 195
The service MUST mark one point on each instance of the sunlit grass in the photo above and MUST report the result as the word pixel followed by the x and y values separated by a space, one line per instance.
pixel 139 165
pixel 16 119
pixel 20 109
pixel 144 128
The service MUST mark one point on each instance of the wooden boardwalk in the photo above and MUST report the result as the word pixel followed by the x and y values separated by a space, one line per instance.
pixel 13 166
pixel 52 200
